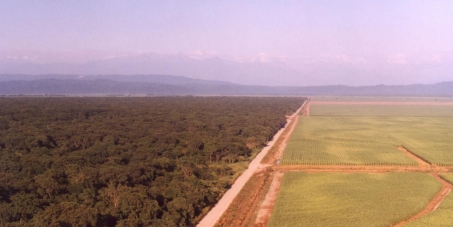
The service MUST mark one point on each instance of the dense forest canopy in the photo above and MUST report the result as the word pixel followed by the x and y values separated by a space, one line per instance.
pixel 161 161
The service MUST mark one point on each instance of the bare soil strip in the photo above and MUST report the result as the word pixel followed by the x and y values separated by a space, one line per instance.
pixel 385 103
pixel 422 167
pixel 242 209
pixel 294 120
pixel 417 158
pixel 277 149
pixel 306 110
pixel 359 168
pixel 267 206
pixel 217 211
pixel 433 204
pixel 265 209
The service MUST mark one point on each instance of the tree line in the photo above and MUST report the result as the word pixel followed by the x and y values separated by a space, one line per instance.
pixel 161 161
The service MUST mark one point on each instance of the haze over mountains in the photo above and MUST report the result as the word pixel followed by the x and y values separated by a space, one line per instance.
pixel 52 84
pixel 126 73
pixel 262 70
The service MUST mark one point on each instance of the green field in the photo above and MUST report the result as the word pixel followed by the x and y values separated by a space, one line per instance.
pixel 359 199
pixel 448 177
pixel 345 141
pixel 380 99
pixel 369 135
pixel 381 110
pixel 442 216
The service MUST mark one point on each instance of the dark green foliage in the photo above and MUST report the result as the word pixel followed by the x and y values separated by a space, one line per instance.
pixel 126 161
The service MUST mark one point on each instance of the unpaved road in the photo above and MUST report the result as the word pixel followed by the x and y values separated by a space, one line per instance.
pixel 217 211
pixel 283 139
pixel 385 103
pixel 420 161
pixel 288 135
pixel 433 204
pixel 357 169
pixel 267 206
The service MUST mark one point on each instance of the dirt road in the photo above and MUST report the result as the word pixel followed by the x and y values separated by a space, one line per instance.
pixel 217 211
pixel 385 103
pixel 267 206
pixel 433 204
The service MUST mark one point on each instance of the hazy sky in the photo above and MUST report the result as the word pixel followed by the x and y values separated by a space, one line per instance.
pixel 370 41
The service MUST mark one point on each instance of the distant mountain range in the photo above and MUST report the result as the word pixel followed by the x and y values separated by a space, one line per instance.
pixel 19 84
pixel 264 70
pixel 214 68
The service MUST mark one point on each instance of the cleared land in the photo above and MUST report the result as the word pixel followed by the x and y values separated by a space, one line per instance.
pixel 357 167
pixel 379 109
pixel 350 163
pixel 380 99
pixel 359 199
pixel 345 141
pixel 233 217
pixel 370 134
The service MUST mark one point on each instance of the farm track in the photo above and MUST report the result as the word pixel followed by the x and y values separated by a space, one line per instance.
pixel 358 169
pixel 266 207
pixel 434 203
pixel 280 144
pixel 254 168
pixel 294 121
pixel 386 103
pixel 418 159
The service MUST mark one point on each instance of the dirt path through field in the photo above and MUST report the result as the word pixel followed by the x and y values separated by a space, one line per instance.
pixel 217 211
pixel 358 168
pixel 280 145
pixel 433 204
pixel 416 158
pixel 266 207
pixel 286 137
pixel 306 109
pixel 305 112
pixel 385 103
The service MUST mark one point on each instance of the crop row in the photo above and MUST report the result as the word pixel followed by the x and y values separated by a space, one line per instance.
pixel 358 199
pixel 370 140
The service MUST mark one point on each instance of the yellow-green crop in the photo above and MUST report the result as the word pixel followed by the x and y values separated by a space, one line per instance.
pixel 358 199
pixel 369 135
pixel 442 216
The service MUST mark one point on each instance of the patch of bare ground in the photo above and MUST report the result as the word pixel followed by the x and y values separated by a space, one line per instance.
pixel 434 203
pixel 384 103
pixel 265 210
pixel 242 209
